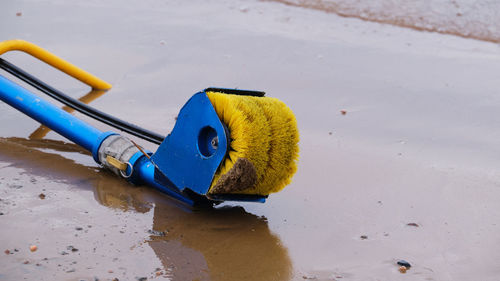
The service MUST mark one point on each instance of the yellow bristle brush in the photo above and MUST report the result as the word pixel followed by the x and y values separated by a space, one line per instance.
pixel 263 150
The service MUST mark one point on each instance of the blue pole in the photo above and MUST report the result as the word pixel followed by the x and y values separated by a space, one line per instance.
pixel 76 130
pixel 51 116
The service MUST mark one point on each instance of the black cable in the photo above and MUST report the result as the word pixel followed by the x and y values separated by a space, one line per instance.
pixel 81 107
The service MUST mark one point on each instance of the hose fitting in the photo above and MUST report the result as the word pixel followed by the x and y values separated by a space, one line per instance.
pixel 115 153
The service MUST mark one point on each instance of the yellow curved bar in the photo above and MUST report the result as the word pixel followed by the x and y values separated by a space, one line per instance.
pixel 55 61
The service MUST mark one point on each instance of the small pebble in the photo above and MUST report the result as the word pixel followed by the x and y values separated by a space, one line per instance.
pixel 41 195
pixel 404 263
pixel 33 248
pixel 343 112
pixel 72 249
pixel 78 228
pixel 363 237
pixel 19 14
pixel 156 232
pixel 7 252
pixel 402 269
pixel 26 262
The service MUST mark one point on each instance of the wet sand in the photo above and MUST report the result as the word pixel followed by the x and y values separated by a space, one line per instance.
pixel 417 145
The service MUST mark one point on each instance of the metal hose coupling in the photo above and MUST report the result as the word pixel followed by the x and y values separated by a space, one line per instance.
pixel 115 152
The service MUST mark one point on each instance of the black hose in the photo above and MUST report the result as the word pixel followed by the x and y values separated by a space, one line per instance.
pixel 81 107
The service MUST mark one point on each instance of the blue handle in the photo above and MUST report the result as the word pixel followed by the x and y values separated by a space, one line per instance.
pixel 75 130
pixel 51 116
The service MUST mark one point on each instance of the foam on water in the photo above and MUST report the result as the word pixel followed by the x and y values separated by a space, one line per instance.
pixel 478 19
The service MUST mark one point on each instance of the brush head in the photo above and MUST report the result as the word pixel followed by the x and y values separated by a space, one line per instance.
pixel 227 146
pixel 263 147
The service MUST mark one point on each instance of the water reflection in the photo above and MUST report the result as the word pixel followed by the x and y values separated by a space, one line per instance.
pixel 192 244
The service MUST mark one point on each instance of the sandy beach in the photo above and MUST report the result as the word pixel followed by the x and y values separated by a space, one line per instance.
pixel 399 154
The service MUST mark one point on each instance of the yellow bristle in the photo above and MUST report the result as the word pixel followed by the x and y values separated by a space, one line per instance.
pixel 262 130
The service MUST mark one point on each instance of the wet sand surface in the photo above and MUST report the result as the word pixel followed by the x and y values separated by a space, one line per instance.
pixel 410 171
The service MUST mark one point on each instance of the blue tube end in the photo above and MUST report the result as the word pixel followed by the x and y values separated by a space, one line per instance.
pixel 97 144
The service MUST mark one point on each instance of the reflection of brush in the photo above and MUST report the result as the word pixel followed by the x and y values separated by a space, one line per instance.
pixel 263 146
pixel 227 144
